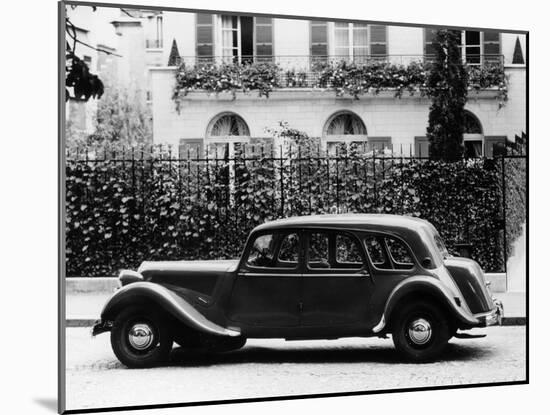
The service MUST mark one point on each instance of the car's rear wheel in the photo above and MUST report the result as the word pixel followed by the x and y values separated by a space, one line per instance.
pixel 140 338
pixel 420 331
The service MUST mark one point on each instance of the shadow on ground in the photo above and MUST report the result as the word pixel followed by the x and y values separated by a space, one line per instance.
pixel 256 354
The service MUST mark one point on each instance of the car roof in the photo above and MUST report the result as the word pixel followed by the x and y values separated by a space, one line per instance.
pixel 362 221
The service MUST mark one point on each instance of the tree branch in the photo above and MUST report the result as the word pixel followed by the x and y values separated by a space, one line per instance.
pixel 76 40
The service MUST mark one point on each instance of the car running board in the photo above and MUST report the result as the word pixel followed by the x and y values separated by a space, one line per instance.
pixel 469 336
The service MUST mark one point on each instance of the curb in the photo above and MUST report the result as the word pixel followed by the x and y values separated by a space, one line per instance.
pixel 86 285
pixel 80 322
pixel 514 321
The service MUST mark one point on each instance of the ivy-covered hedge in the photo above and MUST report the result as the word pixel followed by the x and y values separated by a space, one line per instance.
pixel 120 213
pixel 515 181
pixel 345 78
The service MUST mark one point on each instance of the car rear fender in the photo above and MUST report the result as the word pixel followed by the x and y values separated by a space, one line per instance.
pixel 166 300
pixel 425 286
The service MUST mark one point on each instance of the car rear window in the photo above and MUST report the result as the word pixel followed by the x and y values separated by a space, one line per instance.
pixel 399 253
pixel 386 252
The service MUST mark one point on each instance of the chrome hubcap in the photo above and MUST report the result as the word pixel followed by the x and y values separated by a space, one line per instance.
pixel 140 336
pixel 420 331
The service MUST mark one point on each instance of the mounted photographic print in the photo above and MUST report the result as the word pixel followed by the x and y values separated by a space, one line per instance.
pixel 275 207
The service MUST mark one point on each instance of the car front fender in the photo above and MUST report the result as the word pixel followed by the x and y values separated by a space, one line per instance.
pixel 168 301
pixel 430 286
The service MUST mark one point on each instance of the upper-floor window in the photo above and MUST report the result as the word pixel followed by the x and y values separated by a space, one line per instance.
pixel 476 47
pixel 246 39
pixel 154 32
pixel 350 41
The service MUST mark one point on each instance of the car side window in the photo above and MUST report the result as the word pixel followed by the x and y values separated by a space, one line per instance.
pixel 262 252
pixel 318 255
pixel 348 254
pixel 288 253
pixel 377 254
pixel 400 254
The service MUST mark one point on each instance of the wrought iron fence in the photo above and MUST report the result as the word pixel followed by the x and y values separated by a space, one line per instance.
pixel 125 207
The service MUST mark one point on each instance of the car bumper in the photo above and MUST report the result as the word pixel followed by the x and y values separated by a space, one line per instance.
pixel 493 317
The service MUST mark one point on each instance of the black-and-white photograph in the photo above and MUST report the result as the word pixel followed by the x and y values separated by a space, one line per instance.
pixel 269 206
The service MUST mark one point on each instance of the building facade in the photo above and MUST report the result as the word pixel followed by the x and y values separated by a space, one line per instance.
pixel 119 46
pixel 379 120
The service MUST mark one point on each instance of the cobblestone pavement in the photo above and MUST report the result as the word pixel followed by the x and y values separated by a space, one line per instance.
pixel 262 368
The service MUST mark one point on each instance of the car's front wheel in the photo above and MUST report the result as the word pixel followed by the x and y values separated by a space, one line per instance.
pixel 420 331
pixel 140 338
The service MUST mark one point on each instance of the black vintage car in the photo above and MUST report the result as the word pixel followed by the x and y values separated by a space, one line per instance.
pixel 313 277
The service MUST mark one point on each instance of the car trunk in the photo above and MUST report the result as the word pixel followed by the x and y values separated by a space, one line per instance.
pixel 469 278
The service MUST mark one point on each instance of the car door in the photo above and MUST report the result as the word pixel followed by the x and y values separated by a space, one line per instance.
pixel 266 292
pixel 391 263
pixel 337 284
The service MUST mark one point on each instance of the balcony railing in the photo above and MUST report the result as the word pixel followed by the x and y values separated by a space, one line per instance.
pixel 308 71
pixel 308 61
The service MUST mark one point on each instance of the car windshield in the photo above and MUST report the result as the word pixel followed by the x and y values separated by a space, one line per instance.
pixel 441 245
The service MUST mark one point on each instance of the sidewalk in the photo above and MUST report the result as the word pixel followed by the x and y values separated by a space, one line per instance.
pixel 82 309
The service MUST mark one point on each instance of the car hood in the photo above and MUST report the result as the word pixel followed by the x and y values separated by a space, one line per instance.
pixel 226 265
pixel 188 278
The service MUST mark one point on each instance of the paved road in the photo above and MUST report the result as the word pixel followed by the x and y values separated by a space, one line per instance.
pixel 276 368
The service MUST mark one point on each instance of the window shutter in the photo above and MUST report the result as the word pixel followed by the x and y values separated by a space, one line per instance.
pixel 421 146
pixel 205 37
pixel 491 47
pixel 263 37
pixel 429 50
pixel 378 41
pixel 318 39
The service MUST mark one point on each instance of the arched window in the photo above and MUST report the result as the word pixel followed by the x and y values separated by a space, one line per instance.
pixel 225 133
pixel 473 136
pixel 346 123
pixel 471 124
pixel 228 125
pixel 342 129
